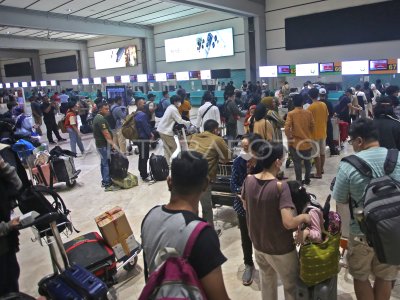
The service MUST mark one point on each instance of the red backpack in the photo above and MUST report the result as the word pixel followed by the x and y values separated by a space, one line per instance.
pixel 175 278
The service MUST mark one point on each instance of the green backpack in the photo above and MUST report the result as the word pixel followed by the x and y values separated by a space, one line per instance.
pixel 128 129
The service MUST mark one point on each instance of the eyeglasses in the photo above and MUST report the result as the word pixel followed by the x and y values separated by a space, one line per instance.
pixel 351 141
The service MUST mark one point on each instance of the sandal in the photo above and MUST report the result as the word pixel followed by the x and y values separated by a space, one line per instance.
pixel 315 176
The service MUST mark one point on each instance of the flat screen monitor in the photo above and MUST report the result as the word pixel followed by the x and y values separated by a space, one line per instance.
pixel 151 78
pixel 125 79
pixel 15 84
pixel 85 81
pixel 97 80
pixel 268 71
pixel 194 74
pixel 142 78
pixel 285 69
pixel 110 79
pixel 24 84
pixel 170 76
pixel 326 67
pixel 220 73
pixel 122 57
pixel 307 69
pixel 133 78
pixel 74 81
pixel 378 65
pixel 53 82
pixel 8 85
pixel 114 91
pixel 205 74
pixel 358 67
pixel 1 85
pixel 203 45
pixel 33 84
pixel 161 77
pixel 43 83
pixel 182 76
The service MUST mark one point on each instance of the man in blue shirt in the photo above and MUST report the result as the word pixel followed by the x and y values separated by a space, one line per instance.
pixel 145 135
pixel 362 259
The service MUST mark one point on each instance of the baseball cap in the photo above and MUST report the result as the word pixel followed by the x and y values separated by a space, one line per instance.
pixel 322 91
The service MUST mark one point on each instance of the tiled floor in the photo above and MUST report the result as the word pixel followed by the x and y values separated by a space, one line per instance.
pixel 87 199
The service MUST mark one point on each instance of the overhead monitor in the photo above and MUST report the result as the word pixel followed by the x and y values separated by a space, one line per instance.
pixel 24 84
pixel 116 91
pixel 194 75
pixel 268 71
pixel 43 83
pixel 33 84
pixel 8 85
pixel 53 82
pixel 161 77
pixel 85 81
pixel 182 76
pixel 142 78
pixel 1 85
pixel 151 78
pixel 74 81
pixel 97 80
pixel 125 79
pixel 220 73
pixel 116 58
pixel 110 79
pixel 133 78
pixel 307 69
pixel 203 45
pixel 327 67
pixel 358 67
pixel 205 74
pixel 170 76
pixel 284 69
pixel 16 84
pixel 378 65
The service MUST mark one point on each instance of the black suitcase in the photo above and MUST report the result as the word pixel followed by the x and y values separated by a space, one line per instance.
pixel 91 252
pixel 84 129
pixel 119 165
pixel 221 193
pixel 74 283
pixel 159 168
pixel 64 169
pixel 326 290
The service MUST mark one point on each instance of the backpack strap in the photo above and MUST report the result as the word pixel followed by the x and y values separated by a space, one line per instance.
pixel 193 229
pixel 391 161
pixel 202 117
pixel 360 165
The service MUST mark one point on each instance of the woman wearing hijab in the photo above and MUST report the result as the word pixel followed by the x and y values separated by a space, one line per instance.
pixel 262 126
pixel 249 120
pixel 277 122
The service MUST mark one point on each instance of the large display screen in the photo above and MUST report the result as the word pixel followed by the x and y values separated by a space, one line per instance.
pixel 116 58
pixel 114 91
pixel 358 67
pixel 284 69
pixel 307 70
pixel 378 65
pixel 203 45
pixel 326 67
pixel 268 71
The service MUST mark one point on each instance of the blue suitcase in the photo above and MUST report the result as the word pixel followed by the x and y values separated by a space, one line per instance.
pixel 326 290
pixel 75 283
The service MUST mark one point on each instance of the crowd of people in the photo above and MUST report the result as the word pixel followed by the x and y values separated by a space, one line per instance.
pixel 269 210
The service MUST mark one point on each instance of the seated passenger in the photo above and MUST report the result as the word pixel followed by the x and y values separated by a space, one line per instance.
pixel 163 225
pixel 23 123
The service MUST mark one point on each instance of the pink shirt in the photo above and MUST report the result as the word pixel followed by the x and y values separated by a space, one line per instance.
pixel 315 227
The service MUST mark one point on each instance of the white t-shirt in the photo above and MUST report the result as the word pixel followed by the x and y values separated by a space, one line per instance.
pixel 167 122
pixel 212 114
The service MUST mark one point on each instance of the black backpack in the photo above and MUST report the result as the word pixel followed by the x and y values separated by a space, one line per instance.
pixel 110 119
pixel 119 165
pixel 33 199
pixel 159 169
pixel 381 208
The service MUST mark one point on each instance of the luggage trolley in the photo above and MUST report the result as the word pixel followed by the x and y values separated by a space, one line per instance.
pixel 221 194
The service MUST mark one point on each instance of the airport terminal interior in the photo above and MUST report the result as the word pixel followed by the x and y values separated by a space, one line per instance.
pixel 92 51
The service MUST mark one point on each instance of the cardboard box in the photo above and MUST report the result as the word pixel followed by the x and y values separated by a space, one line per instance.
pixel 117 232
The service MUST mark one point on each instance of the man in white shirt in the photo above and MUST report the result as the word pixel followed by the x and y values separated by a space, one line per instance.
pixel 64 102
pixel 362 101
pixel 208 111
pixel 166 125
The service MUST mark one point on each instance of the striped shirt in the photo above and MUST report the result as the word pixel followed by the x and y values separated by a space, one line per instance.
pixel 350 182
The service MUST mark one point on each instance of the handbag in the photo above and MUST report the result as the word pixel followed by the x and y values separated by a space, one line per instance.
pixel 320 261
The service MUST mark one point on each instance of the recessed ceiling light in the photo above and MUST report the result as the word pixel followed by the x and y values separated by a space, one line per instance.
pixel 69 10
pixel 8 32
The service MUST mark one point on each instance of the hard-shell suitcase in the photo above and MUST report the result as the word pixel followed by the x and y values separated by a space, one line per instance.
pixel 344 131
pixel 119 165
pixel 91 252
pixel 336 133
pixel 326 290
pixel 159 167
pixel 75 283
pixel 64 168
pixel 42 175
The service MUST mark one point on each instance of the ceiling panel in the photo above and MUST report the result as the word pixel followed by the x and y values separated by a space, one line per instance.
pixel 132 8
pixel 165 12
pixel 74 6
pixel 141 12
pixel 175 16
pixel 46 5
pixel 18 3
pixel 102 7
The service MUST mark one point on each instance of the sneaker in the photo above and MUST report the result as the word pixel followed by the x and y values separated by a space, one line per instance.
pixel 111 188
pixel 62 140
pixel 52 143
pixel 306 182
pixel 147 179
pixel 247 277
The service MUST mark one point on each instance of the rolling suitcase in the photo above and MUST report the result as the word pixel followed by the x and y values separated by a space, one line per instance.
pixel 119 165
pixel 326 290
pixel 84 129
pixel 42 175
pixel 344 131
pixel 75 283
pixel 336 133
pixel 64 168
pixel 91 252
pixel 221 193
